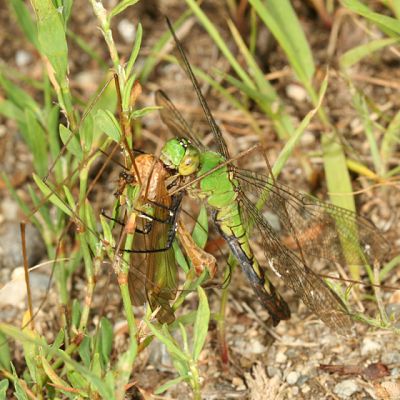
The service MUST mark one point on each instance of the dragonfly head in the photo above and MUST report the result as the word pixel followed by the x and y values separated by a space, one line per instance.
pixel 181 155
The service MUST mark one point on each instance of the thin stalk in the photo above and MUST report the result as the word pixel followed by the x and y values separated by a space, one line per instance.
pixel 87 259
pixel 101 14
pixel 222 312
pixel 195 381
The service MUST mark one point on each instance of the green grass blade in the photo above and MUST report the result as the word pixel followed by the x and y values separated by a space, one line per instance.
pixel 52 197
pixel 387 24
pixel 220 42
pixel 135 50
pixel 391 140
pixel 51 35
pixel 153 59
pixel 201 324
pixel 281 20
pixel 262 84
pixel 25 21
pixel 356 54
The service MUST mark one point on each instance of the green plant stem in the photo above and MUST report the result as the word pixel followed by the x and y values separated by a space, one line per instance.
pixel 101 14
pixel 89 270
pixel 195 381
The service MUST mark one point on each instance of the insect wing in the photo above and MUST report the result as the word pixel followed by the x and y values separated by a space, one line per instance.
pixel 174 119
pixel 313 291
pixel 323 230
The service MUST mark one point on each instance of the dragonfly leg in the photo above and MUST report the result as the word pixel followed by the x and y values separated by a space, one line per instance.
pixel 172 220
pixel 145 231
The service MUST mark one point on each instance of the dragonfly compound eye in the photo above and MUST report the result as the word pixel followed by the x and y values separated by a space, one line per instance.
pixel 190 162
pixel 173 152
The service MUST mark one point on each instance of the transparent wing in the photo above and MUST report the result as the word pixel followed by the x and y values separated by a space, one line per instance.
pixel 174 119
pixel 313 291
pixel 323 230
pixel 222 148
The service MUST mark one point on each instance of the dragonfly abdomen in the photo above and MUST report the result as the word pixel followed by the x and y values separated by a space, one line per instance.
pixel 230 226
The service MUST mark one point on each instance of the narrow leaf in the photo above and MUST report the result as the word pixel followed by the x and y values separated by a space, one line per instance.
pixel 201 323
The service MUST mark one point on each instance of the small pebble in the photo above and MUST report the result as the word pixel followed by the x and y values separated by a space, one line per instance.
pixel 346 388
pixel 295 390
pixel 369 346
pixel 281 358
pixel 273 371
pixel 305 389
pixel 10 245
pixel 257 347
pixel 296 92
pixel 307 138
pixel 292 377
pixel 391 357
pixel 127 30
pixel 238 382
pixel 22 58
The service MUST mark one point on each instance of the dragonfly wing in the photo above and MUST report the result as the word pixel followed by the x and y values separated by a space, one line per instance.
pixel 222 148
pixel 174 119
pixel 313 291
pixel 322 230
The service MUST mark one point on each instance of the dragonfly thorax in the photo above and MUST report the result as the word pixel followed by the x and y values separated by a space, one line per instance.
pixel 181 155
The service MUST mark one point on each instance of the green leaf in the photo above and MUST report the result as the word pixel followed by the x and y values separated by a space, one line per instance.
pixel 135 50
pixel 20 393
pixel 120 7
pixel 280 18
pixel 84 351
pixel 391 139
pixel 3 389
pixel 51 195
pixel 136 114
pixel 291 144
pixel 58 342
pixel 126 95
pixel 30 349
pixel 264 86
pixel 90 222
pixel 201 323
pixel 5 354
pixel 69 198
pixel 86 132
pixel 384 22
pixel 157 49
pixel 180 258
pixel 356 54
pixel 200 231
pixel 19 97
pixel 107 233
pixel 107 123
pixel 77 380
pixel 51 35
pixel 10 110
pixel 105 391
pixel 220 42
pixel 96 365
pixel 168 341
pixel 106 339
pixel 36 139
pixel 76 313
pixel 71 141
pixel 25 21
pixel 52 375
pixel 170 383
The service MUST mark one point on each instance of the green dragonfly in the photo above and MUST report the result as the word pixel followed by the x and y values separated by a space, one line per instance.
pixel 225 191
